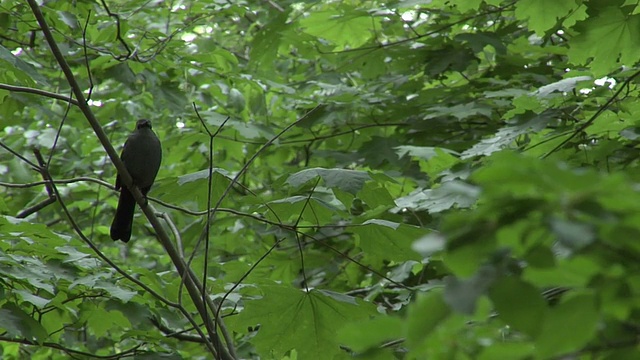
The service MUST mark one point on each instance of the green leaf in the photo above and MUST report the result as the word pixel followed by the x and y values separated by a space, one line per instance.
pixel 519 305
pixel 250 130
pixel 373 195
pixel 568 326
pixel 385 240
pixel 193 187
pixel 117 292
pixel 350 181
pixel 346 28
pixel 288 209
pixel 449 195
pixel 438 159
pixel 18 323
pixel 68 18
pixel 23 71
pixel 609 123
pixel 368 334
pixel 423 152
pixel 265 43
pixel 428 312
pixel 429 244
pixel 37 301
pixel 292 319
pixel 543 14
pixel 453 59
pixel 613 31
pixel 98 320
pixel 506 350
pixel 460 112
pixel 561 86
pixel 573 235
pixel 236 101
pixel 169 96
pixel 506 136
pixel 462 295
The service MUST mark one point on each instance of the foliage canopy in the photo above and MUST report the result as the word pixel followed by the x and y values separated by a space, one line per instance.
pixel 403 179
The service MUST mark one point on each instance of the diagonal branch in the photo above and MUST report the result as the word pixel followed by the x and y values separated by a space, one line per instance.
pixel 192 283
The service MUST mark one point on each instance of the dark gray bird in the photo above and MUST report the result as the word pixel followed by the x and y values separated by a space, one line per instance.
pixel 141 154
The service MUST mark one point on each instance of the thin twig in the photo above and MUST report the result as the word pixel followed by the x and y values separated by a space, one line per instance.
pixel 38 92
pixel 123 354
pixel 206 233
pixel 175 232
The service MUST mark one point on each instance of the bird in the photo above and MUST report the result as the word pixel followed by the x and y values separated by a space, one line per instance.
pixel 141 155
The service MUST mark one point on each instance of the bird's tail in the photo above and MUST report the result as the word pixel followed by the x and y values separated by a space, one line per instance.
pixel 121 226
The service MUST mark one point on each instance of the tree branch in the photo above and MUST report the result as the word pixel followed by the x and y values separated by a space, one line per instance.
pixel 126 353
pixel 192 283
pixel 38 92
